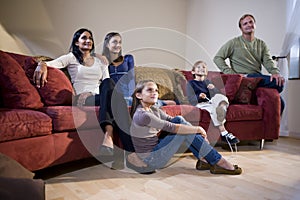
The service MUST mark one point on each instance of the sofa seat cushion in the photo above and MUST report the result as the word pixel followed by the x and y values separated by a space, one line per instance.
pixel 22 123
pixel 65 118
pixel 239 112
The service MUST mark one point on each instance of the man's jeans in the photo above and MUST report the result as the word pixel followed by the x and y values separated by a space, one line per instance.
pixel 265 82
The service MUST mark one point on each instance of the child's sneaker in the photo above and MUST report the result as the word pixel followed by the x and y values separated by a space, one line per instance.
pixel 229 138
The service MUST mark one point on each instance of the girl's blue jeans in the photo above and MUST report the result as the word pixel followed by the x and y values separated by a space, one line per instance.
pixel 170 144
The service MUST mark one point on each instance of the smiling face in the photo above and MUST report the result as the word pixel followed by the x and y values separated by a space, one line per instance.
pixel 85 41
pixel 200 69
pixel 149 94
pixel 247 25
pixel 115 44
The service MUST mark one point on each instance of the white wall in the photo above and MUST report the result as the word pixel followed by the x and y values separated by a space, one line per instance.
pixel 47 27
pixel 11 44
pixel 294 108
pixel 214 22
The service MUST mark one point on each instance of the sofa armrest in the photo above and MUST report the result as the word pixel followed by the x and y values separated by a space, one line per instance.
pixel 269 99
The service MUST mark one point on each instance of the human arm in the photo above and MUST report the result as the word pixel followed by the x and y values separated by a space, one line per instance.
pixel 160 122
pixel 279 79
pixel 131 75
pixel 224 52
pixel 270 66
pixel 105 71
pixel 82 98
pixel 40 73
pixel 211 88
pixel 102 58
pixel 197 92
pixel 191 94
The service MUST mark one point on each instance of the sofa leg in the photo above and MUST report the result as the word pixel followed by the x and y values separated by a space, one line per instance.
pixel 261 145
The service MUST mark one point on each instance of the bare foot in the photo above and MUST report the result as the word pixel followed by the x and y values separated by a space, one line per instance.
pixel 135 160
pixel 225 164
pixel 108 141
pixel 108 137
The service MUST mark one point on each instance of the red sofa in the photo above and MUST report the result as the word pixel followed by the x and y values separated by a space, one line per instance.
pixel 40 128
pixel 253 113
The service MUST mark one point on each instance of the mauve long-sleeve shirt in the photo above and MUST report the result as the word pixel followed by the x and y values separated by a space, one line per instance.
pixel 146 125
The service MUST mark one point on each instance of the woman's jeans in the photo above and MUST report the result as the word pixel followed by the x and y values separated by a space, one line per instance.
pixel 170 144
pixel 113 111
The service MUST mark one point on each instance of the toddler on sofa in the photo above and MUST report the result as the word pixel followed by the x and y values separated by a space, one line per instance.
pixel 203 94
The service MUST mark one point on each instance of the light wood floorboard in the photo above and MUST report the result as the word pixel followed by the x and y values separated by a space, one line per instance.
pixel 273 173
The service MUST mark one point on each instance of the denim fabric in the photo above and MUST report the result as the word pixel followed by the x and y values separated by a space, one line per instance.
pixel 265 82
pixel 170 144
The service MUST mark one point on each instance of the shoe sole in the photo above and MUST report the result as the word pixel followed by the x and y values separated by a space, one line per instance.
pixel 140 170
pixel 227 142
pixel 200 165
pixel 106 151
pixel 219 170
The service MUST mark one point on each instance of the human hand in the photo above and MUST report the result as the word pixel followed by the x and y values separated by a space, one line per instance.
pixel 82 97
pixel 202 95
pixel 210 86
pixel 279 79
pixel 40 75
pixel 203 133
pixel 103 59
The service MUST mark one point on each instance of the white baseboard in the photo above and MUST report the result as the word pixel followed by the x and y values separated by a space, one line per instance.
pixel 284 133
pixel 294 134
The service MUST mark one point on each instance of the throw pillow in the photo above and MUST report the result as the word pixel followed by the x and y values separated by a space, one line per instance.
pixel 244 94
pixel 232 84
pixel 228 84
pixel 12 169
pixel 20 58
pixel 58 90
pixel 166 79
pixel 15 88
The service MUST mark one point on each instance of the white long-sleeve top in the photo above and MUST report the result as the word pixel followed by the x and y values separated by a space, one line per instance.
pixel 83 78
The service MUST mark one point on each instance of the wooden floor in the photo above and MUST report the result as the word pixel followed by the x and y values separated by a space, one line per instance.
pixel 273 173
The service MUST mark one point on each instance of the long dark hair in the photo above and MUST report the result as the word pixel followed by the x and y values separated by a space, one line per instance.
pixel 105 51
pixel 75 49
pixel 138 89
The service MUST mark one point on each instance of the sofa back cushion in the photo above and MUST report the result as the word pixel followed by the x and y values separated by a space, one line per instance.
pixel 238 89
pixel 168 81
pixel 15 88
pixel 244 94
pixel 232 85
pixel 58 90
pixel 213 76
